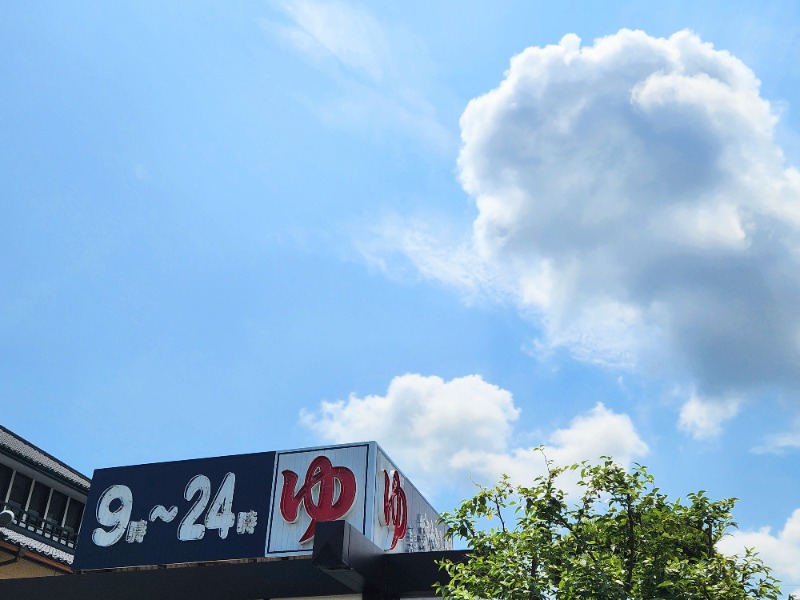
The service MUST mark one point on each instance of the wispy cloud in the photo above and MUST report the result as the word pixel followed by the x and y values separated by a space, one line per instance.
pixel 337 31
pixel 379 70
pixel 779 443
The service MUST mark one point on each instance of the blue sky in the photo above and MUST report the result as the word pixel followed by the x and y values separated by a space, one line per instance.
pixel 266 225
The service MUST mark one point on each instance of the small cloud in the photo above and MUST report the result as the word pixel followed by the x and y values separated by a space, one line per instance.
pixel 599 432
pixel 702 418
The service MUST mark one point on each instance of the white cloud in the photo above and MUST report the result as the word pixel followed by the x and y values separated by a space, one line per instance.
pixel 599 432
pixel 447 433
pixel 423 421
pixel 631 198
pixel 779 551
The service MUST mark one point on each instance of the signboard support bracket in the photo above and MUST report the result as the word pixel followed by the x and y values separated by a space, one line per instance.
pixel 344 553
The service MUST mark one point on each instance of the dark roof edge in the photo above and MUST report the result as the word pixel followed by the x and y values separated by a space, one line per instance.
pixel 55 474
pixel 32 551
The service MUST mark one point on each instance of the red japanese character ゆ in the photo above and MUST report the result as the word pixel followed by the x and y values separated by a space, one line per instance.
pixel 328 506
pixel 395 507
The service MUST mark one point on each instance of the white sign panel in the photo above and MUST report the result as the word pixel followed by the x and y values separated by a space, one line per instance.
pixel 316 485
pixel 403 520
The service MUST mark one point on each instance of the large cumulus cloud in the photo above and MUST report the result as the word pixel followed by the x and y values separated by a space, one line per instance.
pixel 630 196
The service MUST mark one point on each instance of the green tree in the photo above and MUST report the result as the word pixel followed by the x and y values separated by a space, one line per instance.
pixel 621 539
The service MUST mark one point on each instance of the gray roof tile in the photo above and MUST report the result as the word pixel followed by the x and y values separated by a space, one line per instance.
pixel 20 447
pixel 36 546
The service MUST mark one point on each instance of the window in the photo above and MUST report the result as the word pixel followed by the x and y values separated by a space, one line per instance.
pixel 39 496
pixel 19 491
pixel 74 514
pixel 58 502
pixel 5 480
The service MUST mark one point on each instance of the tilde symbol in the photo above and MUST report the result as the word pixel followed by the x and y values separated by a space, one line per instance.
pixel 322 475
pixel 395 507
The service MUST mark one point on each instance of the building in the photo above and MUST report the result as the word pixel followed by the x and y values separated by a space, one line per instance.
pixel 47 499
pixel 339 523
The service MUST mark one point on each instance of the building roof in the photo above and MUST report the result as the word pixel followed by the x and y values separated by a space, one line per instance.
pixel 16 446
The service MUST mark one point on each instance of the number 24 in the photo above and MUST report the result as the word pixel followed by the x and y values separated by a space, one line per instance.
pixel 219 515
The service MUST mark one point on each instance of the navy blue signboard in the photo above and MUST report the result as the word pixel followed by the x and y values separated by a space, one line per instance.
pixel 185 511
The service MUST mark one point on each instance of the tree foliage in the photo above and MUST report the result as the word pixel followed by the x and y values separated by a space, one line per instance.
pixel 621 539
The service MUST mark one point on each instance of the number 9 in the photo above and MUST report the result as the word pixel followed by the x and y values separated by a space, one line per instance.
pixel 117 519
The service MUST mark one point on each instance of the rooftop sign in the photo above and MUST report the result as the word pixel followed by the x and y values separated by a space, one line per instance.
pixel 249 506
pixel 185 511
